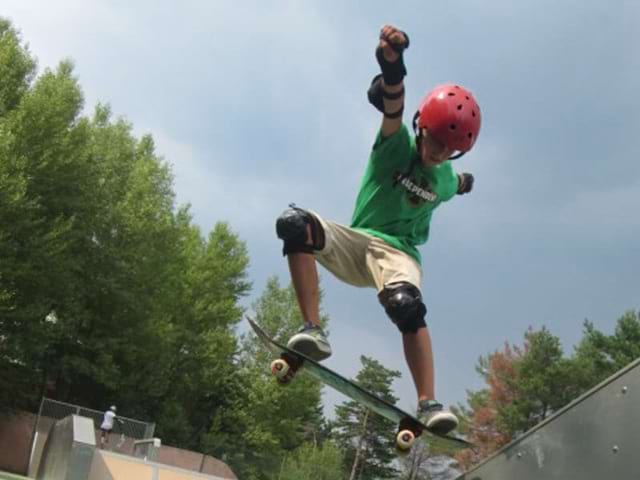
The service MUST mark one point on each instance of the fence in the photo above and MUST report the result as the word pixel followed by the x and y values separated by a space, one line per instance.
pixel 52 410
pixel 56 410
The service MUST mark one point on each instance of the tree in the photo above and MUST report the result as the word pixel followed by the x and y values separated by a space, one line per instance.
pixel 42 198
pixel 545 382
pixel 106 288
pixel 204 349
pixel 273 420
pixel 17 68
pixel 602 355
pixel 480 422
pixel 312 462
pixel 368 440
pixel 423 463
pixel 524 386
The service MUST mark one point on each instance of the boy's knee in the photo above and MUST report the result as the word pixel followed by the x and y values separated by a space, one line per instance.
pixel 300 231
pixel 402 301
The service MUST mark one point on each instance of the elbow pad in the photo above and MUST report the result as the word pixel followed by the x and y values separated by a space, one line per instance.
pixel 377 94
pixel 465 184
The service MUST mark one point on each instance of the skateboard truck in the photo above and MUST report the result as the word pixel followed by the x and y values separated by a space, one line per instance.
pixel 408 431
pixel 285 367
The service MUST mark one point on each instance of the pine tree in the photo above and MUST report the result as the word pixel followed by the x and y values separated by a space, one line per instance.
pixel 313 462
pixel 368 440
pixel 524 386
pixel 276 419
pixel 602 355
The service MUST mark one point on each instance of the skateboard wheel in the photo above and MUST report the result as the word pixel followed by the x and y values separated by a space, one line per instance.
pixel 404 440
pixel 279 368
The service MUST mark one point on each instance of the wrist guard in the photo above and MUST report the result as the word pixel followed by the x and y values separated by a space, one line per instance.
pixel 393 72
pixel 465 184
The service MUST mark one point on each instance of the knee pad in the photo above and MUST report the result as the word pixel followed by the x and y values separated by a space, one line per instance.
pixel 403 303
pixel 291 228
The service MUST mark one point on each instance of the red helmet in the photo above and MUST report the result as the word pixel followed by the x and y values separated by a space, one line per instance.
pixel 452 115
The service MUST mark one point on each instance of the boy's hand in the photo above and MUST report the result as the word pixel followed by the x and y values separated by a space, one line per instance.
pixel 465 183
pixel 388 94
pixel 392 42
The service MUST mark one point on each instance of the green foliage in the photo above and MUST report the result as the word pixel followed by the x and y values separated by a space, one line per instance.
pixel 367 439
pixel 16 68
pixel 275 420
pixel 311 462
pixel 42 162
pixel 108 293
pixel 602 355
pixel 544 382
pixel 526 385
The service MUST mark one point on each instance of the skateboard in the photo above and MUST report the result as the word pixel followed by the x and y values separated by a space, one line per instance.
pixel 288 362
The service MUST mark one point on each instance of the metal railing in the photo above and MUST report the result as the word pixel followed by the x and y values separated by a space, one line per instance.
pixel 56 410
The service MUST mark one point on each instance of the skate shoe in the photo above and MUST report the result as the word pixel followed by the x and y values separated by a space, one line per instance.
pixel 312 342
pixel 435 417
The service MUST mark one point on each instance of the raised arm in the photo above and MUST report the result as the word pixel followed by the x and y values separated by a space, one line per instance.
pixel 387 89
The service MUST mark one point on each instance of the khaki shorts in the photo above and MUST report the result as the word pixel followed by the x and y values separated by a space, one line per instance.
pixel 363 260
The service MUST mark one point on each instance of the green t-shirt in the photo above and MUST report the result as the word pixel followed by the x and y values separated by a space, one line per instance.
pixel 398 194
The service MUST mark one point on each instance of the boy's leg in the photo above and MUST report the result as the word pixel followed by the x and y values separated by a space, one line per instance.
pixel 402 302
pixel 310 339
pixel 309 239
pixel 104 438
pixel 303 235
pixel 397 278
pixel 304 276
pixel 419 356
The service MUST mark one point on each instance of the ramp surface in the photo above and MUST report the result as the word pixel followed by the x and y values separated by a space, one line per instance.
pixel 595 437
pixel 114 466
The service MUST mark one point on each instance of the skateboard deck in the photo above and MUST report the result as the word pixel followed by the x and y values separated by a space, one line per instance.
pixel 409 427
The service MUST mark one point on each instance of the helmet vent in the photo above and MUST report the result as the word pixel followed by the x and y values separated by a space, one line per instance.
pixel 452 126
pixel 470 135
pixel 467 97
pixel 473 113
pixel 451 94
pixel 460 107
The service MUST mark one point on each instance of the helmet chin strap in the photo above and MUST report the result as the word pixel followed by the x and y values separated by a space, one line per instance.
pixel 415 123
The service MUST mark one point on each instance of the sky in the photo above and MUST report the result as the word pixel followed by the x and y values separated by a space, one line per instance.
pixel 256 104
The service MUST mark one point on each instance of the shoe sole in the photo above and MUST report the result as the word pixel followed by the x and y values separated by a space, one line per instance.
pixel 309 347
pixel 443 425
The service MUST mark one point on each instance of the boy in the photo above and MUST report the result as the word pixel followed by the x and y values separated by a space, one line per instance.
pixel 107 425
pixel 406 178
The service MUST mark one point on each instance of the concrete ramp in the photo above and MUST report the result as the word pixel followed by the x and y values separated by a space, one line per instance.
pixel 68 453
pixel 595 437
pixel 114 466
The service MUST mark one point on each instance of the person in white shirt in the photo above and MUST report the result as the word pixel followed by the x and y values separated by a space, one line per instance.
pixel 107 424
